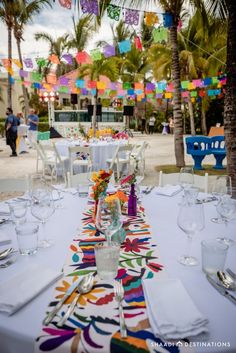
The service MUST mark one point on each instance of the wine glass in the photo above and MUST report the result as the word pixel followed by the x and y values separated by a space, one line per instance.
pixel 190 220
pixel 222 186
pixel 42 207
pixel 227 210
pixel 186 177
pixel 108 217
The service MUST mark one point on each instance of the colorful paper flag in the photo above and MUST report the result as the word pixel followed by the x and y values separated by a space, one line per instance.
pixel 41 62
pixel 17 63
pixel 109 50
pixel 66 3
pixel 131 17
pixel 113 12
pixel 28 63
pixel 63 81
pixel 92 84
pixel 35 76
pixel 6 63
pixel 80 83
pixel 150 18
pixel 89 6
pixel 96 54
pixel 124 46
pixel 101 85
pixel 23 73
pixel 167 20
pixel 126 85
pixel 160 35
pixel 81 57
pixel 138 43
pixel 67 58
pixel 51 78
pixel 54 59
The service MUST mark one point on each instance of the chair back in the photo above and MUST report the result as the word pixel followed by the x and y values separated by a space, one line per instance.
pixel 75 180
pixel 217 143
pixel 198 145
pixel 200 181
pixel 43 135
pixel 79 153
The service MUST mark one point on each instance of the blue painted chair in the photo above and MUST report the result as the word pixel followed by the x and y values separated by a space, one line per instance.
pixel 219 151
pixel 198 147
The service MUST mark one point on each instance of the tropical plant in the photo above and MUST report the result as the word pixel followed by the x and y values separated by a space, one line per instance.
pixel 7 17
pixel 57 46
pixel 24 10
pixel 82 32
pixel 227 9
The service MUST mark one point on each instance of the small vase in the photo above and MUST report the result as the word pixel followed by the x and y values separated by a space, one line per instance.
pixel 132 202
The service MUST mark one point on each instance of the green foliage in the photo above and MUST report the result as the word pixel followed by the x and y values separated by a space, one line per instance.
pixel 42 127
pixel 2 129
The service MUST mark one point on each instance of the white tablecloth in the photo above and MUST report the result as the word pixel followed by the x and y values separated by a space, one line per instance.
pixel 101 150
pixel 17 333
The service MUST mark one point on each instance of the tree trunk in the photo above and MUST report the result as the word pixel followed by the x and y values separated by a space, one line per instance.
pixel 9 88
pixel 191 117
pixel 230 96
pixel 94 117
pixel 177 113
pixel 203 121
pixel 24 89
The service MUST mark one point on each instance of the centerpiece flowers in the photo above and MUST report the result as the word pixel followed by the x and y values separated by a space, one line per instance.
pixel 101 180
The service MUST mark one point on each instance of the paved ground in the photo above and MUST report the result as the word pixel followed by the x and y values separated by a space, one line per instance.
pixel 159 152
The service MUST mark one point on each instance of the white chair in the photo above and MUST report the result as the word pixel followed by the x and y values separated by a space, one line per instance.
pixel 121 158
pixel 200 182
pixel 80 156
pixel 22 134
pixel 138 154
pixel 14 185
pixel 76 179
pixel 47 154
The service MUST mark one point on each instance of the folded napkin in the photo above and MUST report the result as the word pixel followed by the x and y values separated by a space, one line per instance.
pixel 20 289
pixel 168 190
pixel 171 312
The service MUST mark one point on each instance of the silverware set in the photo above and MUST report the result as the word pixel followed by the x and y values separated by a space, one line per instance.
pixel 148 190
pixel 119 297
pixel 224 283
pixel 4 254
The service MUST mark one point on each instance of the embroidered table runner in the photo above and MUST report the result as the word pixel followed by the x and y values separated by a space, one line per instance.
pixel 94 325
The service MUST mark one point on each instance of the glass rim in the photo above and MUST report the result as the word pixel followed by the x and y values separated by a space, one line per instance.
pixel 208 243
pixel 106 244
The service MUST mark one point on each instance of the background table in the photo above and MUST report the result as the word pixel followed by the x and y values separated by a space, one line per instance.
pixel 18 332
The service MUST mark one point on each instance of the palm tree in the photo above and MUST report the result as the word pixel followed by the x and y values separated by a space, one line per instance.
pixel 226 9
pixel 107 67
pixel 83 31
pixel 56 46
pixel 7 17
pixel 24 10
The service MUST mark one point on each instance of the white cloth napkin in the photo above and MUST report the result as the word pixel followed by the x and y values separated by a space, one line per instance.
pixel 20 289
pixel 168 190
pixel 172 313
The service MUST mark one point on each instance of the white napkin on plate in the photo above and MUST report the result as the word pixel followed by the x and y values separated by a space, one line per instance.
pixel 172 313
pixel 20 289
pixel 168 190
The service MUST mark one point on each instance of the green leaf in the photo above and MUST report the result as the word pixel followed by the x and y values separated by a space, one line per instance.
pixel 139 261
pixel 129 263
pixel 80 273
pixel 149 253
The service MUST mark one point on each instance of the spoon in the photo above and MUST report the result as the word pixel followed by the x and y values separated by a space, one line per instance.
pixel 5 253
pixel 84 286
pixel 226 280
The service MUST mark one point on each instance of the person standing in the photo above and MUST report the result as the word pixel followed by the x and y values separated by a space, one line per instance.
pixel 143 124
pixel 33 122
pixel 11 124
pixel 151 124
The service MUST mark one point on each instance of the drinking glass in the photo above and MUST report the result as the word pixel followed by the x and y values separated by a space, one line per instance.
pixel 42 207
pixel 222 186
pixel 107 259
pixel 213 256
pixel 186 177
pixel 18 211
pixel 108 217
pixel 227 210
pixel 27 236
pixel 191 221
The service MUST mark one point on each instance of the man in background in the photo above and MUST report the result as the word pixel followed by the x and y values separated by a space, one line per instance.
pixel 33 122
pixel 11 124
pixel 151 124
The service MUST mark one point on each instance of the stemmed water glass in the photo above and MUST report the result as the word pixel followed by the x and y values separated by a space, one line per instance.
pixel 191 221
pixel 186 177
pixel 222 186
pixel 227 210
pixel 108 217
pixel 42 205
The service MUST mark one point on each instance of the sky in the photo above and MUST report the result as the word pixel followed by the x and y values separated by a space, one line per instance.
pixel 56 21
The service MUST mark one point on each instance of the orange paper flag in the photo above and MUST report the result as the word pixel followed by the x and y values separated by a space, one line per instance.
pixel 54 59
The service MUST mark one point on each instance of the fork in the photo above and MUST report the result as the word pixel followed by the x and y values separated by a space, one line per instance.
pixel 7 263
pixel 119 296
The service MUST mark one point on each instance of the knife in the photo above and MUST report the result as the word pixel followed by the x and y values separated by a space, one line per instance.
pixel 221 290
pixel 69 291
pixel 150 189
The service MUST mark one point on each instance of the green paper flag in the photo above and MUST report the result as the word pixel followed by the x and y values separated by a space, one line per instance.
pixel 96 54
pixel 160 35
pixel 35 76
pixel 113 12
pixel 126 85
